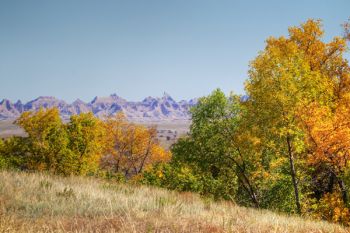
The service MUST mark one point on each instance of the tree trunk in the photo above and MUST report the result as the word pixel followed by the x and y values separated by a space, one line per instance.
pixel 332 178
pixel 251 193
pixel 293 174
pixel 245 181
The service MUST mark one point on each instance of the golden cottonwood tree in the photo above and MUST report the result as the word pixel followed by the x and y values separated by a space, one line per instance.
pixel 328 138
pixel 132 147
pixel 288 75
pixel 47 138
pixel 86 135
pixel 72 148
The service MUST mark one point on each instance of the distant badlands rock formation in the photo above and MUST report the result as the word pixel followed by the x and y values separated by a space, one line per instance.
pixel 149 110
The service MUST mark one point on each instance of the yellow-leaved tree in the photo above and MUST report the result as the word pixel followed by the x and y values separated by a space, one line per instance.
pixel 290 74
pixel 66 148
pixel 86 136
pixel 46 138
pixel 131 147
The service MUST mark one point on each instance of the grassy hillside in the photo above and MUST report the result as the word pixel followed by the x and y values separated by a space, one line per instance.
pixel 42 203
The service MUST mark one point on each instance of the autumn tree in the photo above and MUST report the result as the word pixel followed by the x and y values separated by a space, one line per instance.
pixel 47 139
pixel 328 133
pixel 288 75
pixel 131 147
pixel 86 144
pixel 65 148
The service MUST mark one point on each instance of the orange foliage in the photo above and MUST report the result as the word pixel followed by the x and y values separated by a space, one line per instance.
pixel 332 208
pixel 132 147
pixel 328 132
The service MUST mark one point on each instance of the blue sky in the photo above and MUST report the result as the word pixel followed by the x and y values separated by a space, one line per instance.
pixel 83 48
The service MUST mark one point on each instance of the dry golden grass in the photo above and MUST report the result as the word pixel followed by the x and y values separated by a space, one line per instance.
pixel 43 203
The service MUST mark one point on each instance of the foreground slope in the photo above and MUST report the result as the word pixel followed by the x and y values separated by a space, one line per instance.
pixel 42 203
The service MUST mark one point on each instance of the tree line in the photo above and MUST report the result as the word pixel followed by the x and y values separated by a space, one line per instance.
pixel 85 145
pixel 285 145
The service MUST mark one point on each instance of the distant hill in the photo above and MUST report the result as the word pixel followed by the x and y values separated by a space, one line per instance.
pixel 150 109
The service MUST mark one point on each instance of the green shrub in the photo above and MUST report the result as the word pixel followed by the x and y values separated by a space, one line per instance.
pixel 172 176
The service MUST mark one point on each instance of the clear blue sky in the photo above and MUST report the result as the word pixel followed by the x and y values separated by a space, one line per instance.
pixel 80 48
